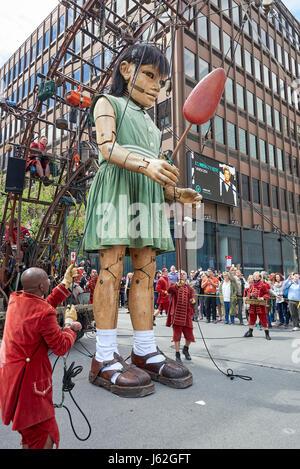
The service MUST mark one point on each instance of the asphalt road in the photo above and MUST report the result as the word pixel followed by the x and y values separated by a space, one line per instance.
pixel 214 413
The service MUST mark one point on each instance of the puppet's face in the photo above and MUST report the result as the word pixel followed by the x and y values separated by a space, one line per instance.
pixel 145 89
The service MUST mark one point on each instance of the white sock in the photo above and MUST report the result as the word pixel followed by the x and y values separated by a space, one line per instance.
pixel 106 346
pixel 144 343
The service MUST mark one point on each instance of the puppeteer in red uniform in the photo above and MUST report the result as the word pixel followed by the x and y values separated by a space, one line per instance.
pixel 162 286
pixel 260 291
pixel 31 329
pixel 180 315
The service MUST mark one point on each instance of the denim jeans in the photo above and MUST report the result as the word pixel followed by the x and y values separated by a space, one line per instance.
pixel 283 312
pixel 227 309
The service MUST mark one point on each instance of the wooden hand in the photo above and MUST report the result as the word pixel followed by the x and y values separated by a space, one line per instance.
pixel 188 196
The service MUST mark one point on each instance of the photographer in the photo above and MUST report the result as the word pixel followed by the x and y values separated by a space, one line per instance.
pixel 210 284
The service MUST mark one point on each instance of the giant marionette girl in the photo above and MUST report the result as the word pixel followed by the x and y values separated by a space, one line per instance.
pixel 124 216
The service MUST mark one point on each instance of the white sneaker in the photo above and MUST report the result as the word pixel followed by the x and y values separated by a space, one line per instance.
pixel 296 329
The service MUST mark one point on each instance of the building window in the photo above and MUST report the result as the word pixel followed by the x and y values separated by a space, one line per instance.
pixel 229 90
pixel 202 27
pixel 215 36
pixel 231 136
pixel 288 163
pixel 275 197
pixel 86 73
pixel 272 252
pixel 272 45
pixel 53 32
pixel 269 115
pixel 295 166
pixel 238 54
pixel 61 24
pixel 283 199
pixel 243 141
pixel 226 45
pixel 280 159
pixel 298 204
pixel 219 129
pixel 164 115
pixel 235 13
pixel 257 69
pixel 120 7
pixel 190 63
pixel 46 39
pixel 203 68
pixel 253 145
pixel 206 256
pixel 272 155
pixel 255 191
pixel 245 187
pixel 263 150
pixel 266 195
pixel 248 62
pixel 240 96
pixel 229 243
pixel 260 109
pixel 291 202
pixel 277 120
pixel 250 103
pixel 274 82
pixel 290 263
pixel 266 77
pixel 252 251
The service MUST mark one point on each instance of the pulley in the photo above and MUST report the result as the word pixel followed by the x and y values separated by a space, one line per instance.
pixel 61 124
pixel 76 98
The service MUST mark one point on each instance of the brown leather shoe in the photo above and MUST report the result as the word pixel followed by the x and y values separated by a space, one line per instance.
pixel 132 382
pixel 172 374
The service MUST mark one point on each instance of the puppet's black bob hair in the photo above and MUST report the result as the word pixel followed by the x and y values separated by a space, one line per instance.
pixel 139 54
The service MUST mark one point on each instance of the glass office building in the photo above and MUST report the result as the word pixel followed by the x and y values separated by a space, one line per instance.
pixel 256 128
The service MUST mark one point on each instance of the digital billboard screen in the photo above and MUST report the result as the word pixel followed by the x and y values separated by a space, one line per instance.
pixel 214 180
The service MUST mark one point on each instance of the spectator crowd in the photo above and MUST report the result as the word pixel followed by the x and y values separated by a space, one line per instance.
pixel 220 297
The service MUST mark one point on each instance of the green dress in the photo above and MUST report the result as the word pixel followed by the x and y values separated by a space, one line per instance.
pixel 127 208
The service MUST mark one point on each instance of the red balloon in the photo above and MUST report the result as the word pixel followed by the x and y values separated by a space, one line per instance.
pixel 203 101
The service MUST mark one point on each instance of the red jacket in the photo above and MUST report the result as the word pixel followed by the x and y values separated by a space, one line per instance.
pixel 31 329
pixel 181 314
pixel 162 286
pixel 33 157
pixel 258 290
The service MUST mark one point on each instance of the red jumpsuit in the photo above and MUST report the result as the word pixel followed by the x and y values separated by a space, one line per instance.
pixel 258 290
pixel 181 312
pixel 34 157
pixel 31 329
pixel 163 299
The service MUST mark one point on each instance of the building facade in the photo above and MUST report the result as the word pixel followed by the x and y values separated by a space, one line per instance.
pixel 256 129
